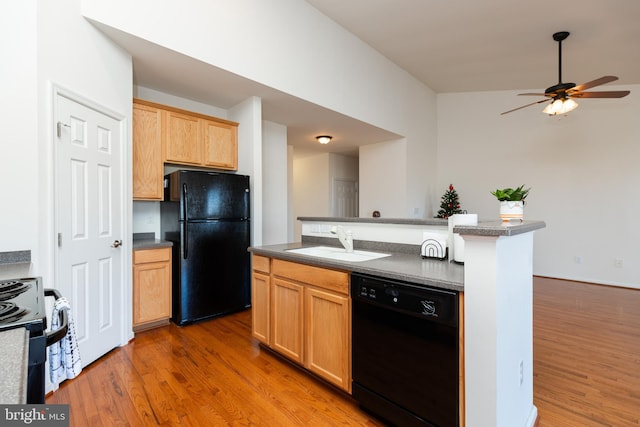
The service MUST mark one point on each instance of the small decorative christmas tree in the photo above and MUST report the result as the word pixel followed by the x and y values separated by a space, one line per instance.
pixel 450 204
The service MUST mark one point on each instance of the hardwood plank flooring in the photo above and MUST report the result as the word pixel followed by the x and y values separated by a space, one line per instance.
pixel 586 372
pixel 208 374
pixel 586 354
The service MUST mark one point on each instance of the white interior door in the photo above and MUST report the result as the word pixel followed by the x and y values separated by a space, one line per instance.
pixel 89 223
pixel 345 198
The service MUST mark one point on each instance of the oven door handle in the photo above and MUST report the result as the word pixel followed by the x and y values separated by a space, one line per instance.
pixel 55 336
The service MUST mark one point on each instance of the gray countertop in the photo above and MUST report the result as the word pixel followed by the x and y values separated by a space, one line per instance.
pixel 499 228
pixel 378 220
pixel 400 266
pixel 14 351
pixel 151 244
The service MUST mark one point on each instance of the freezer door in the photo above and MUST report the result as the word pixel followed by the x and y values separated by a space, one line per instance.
pixel 214 278
pixel 212 195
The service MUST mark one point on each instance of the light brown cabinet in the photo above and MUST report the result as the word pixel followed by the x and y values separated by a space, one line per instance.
pixel 260 297
pixel 151 287
pixel 147 152
pixel 304 313
pixel 197 140
pixel 163 134
pixel 220 141
pixel 181 139
pixel 328 336
pixel 286 318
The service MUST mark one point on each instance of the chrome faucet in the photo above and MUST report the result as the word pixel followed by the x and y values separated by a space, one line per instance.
pixel 344 236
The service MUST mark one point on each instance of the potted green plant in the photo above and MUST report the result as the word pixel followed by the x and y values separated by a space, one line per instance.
pixel 511 202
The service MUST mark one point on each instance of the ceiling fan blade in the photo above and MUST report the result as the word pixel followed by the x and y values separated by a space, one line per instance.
pixel 532 94
pixel 525 106
pixel 593 83
pixel 603 94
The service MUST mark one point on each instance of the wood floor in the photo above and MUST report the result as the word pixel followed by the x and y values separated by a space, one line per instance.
pixel 586 372
pixel 586 354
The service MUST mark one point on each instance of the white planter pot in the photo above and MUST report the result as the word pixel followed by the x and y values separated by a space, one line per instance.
pixel 512 210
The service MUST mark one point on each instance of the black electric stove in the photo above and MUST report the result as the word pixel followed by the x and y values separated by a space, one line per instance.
pixel 22 306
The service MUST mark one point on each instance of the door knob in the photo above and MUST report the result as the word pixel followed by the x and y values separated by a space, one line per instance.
pixel 116 243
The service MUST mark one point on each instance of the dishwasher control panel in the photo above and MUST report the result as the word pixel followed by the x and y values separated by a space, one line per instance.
pixel 435 304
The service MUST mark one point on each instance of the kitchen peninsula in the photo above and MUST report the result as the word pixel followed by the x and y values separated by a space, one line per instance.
pixel 494 286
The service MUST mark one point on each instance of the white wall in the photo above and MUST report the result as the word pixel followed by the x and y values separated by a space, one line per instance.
pixel 19 145
pixel 47 43
pixel 249 114
pixel 311 189
pixel 312 180
pixel 383 179
pixel 582 169
pixel 260 41
pixel 275 201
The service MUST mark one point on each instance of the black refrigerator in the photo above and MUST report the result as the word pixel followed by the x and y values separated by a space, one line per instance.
pixel 206 216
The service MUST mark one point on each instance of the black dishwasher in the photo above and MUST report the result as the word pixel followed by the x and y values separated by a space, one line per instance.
pixel 405 351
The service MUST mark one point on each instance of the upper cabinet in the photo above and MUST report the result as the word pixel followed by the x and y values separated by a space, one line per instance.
pixel 220 144
pixel 147 152
pixel 182 141
pixel 163 134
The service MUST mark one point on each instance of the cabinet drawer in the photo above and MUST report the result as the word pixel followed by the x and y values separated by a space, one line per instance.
pixel 261 263
pixel 333 280
pixel 142 256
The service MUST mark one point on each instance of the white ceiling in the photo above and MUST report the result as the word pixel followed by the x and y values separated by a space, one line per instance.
pixel 450 45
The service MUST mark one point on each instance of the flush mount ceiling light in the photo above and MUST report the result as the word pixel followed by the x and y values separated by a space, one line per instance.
pixel 323 139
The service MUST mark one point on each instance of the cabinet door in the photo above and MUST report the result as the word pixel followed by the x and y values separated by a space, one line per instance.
pixel 328 336
pixel 286 316
pixel 147 153
pixel 151 292
pixel 181 138
pixel 220 144
pixel 260 307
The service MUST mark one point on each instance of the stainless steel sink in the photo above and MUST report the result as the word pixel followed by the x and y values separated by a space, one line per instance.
pixel 339 254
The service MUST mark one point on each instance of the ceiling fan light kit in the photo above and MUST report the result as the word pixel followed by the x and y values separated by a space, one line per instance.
pixel 561 94
pixel 560 106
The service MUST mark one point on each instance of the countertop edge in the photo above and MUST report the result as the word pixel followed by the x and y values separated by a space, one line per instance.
pixel 151 244
pixel 499 228
pixel 14 350
pixel 381 220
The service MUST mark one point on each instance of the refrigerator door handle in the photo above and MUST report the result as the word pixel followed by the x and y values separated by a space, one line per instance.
pixel 185 252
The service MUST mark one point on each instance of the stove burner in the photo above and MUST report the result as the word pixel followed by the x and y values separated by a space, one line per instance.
pixel 9 312
pixel 12 288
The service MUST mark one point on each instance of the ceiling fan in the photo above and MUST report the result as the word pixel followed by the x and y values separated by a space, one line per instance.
pixel 562 94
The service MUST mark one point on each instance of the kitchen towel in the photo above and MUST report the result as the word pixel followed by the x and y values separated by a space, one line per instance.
pixel 64 355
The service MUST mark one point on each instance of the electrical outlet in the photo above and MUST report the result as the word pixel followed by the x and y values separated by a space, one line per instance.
pixel 521 372
pixel 618 263
pixel 578 259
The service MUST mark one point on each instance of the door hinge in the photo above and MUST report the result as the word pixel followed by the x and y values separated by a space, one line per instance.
pixel 59 126
pixel 59 240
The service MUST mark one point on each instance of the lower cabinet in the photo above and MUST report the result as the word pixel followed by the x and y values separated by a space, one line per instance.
pixel 304 313
pixel 151 287
pixel 328 333
pixel 287 303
